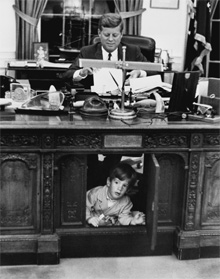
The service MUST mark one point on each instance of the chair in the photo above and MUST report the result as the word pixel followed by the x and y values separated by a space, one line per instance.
pixel 146 44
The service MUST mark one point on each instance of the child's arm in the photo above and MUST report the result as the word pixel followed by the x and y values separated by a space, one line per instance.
pixel 102 220
pixel 91 197
pixel 138 218
pixel 94 221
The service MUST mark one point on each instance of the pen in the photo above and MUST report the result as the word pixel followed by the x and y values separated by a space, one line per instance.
pixel 115 81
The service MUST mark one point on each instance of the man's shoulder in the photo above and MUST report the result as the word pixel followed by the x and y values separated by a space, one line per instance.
pixel 91 48
pixel 130 47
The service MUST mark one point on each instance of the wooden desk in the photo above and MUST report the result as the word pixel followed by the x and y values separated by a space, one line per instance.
pixel 40 78
pixel 44 181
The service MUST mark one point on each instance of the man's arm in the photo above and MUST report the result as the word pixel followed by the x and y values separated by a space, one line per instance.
pixel 135 54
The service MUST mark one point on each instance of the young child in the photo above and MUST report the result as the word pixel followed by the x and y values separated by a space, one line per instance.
pixel 109 205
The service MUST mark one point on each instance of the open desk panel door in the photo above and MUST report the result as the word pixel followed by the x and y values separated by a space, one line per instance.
pixel 152 176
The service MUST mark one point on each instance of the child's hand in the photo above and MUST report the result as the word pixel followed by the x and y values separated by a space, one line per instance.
pixel 138 218
pixel 94 221
pixel 107 221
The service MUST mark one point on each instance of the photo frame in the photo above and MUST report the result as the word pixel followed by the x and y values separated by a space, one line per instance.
pixel 40 51
pixel 164 4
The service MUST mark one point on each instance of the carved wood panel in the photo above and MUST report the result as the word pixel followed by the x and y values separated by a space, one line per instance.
pixel 19 190
pixel 82 140
pixel 171 188
pixel 166 140
pixel 192 190
pixel 211 190
pixel 70 181
pixel 16 139
pixel 47 193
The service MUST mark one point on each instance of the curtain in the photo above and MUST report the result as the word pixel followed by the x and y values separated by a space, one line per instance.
pixel 198 43
pixel 131 11
pixel 28 13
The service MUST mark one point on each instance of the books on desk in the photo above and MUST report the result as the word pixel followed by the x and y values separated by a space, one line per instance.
pixel 22 63
pixel 33 64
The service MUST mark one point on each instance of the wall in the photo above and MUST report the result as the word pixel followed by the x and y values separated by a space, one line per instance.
pixel 167 27
pixel 7 33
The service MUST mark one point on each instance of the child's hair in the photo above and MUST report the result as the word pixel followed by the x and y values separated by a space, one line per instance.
pixel 124 171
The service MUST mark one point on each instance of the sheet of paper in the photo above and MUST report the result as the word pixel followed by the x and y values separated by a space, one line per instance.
pixel 56 65
pixel 103 81
pixel 139 85
pixel 202 88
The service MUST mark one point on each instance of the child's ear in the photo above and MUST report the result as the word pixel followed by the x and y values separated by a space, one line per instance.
pixel 108 182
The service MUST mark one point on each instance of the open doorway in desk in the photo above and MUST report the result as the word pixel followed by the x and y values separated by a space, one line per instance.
pixel 161 179
pixel 113 194
pixel 161 187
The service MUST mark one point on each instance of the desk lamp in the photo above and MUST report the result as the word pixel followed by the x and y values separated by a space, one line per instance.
pixel 122 113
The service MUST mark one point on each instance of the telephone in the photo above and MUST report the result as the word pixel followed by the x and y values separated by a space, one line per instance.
pixel 5 82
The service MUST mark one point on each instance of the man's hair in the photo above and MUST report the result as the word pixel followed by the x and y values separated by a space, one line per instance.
pixel 124 171
pixel 111 20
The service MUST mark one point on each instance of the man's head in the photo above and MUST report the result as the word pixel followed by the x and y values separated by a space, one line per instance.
pixel 110 30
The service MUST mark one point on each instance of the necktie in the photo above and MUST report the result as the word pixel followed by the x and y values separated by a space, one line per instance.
pixel 109 56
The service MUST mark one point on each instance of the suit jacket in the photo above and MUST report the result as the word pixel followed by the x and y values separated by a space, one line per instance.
pixel 133 53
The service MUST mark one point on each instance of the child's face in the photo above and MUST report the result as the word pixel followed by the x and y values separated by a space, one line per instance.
pixel 117 188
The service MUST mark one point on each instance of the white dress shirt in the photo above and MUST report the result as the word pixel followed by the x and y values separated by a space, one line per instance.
pixel 114 54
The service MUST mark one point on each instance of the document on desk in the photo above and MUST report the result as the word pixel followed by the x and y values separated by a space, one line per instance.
pixel 106 80
pixel 139 85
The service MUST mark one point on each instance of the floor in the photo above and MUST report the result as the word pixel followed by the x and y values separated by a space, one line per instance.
pixel 163 267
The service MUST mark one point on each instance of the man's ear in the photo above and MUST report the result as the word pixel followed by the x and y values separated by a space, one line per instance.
pixel 99 32
pixel 108 182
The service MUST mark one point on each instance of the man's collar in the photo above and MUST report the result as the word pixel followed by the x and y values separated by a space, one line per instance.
pixel 114 54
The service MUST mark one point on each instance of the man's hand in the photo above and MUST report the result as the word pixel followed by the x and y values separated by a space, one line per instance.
pixel 135 74
pixel 132 74
pixel 84 72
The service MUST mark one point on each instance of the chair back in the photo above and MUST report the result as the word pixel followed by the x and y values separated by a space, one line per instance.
pixel 146 44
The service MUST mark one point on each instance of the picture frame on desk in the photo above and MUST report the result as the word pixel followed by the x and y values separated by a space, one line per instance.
pixel 164 4
pixel 40 51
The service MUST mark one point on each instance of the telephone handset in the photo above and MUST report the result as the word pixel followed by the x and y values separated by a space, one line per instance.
pixel 5 82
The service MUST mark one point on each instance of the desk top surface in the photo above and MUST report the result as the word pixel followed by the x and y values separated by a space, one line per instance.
pixel 75 121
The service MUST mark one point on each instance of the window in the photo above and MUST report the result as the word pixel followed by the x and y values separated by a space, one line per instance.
pixel 67 25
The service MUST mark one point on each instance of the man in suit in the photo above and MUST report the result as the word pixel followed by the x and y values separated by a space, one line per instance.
pixel 110 32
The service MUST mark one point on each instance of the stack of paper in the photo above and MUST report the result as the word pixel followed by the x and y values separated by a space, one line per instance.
pixel 140 85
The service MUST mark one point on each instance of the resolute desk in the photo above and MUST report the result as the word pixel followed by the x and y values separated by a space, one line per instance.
pixel 44 181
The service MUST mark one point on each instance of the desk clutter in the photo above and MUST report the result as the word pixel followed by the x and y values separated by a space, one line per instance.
pixel 207 109
pixel 185 98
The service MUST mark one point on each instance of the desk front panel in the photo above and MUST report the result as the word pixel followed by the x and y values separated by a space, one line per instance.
pixel 62 146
